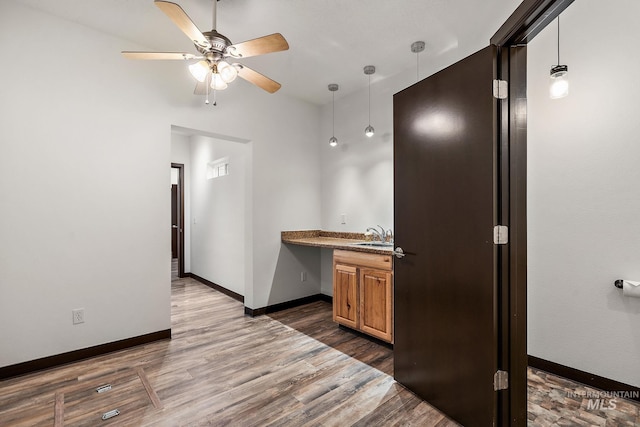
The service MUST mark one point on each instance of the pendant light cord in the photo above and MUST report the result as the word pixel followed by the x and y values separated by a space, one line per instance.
pixel 417 66
pixel 369 99
pixel 333 113
pixel 558 39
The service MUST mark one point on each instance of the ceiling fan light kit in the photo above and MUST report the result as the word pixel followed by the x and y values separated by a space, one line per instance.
pixel 214 48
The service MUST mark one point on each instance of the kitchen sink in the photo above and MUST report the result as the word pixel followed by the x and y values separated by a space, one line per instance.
pixel 374 244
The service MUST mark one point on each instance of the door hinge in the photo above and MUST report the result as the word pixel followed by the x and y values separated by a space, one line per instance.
pixel 500 235
pixel 500 89
pixel 500 380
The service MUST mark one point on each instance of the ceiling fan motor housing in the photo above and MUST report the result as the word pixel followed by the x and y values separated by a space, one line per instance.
pixel 218 43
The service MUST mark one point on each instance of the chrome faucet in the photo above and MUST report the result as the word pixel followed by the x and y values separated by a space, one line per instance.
pixel 376 233
pixel 381 234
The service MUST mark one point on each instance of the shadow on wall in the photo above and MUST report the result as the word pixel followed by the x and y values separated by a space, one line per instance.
pixel 297 274
pixel 618 302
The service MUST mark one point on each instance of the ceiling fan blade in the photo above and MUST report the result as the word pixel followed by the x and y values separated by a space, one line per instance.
pixel 159 55
pixel 267 44
pixel 182 20
pixel 258 79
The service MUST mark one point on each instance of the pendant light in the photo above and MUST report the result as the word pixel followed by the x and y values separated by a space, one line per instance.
pixel 333 141
pixel 559 85
pixel 369 130
pixel 417 47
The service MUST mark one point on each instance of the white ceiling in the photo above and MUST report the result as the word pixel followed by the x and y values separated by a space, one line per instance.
pixel 330 40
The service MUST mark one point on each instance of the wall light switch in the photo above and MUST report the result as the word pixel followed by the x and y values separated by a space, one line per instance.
pixel 343 218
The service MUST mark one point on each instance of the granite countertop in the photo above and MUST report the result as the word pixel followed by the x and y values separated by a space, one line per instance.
pixel 332 240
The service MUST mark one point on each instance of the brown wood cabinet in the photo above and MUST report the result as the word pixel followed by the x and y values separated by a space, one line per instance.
pixel 363 292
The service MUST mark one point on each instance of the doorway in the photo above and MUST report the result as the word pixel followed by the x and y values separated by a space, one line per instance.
pixel 503 344
pixel 216 213
pixel 177 220
pixel 582 204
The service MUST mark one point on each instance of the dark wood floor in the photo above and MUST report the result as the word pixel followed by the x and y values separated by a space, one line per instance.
pixel 291 368
pixel 557 401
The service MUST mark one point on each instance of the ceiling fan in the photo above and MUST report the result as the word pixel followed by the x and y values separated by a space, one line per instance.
pixel 213 71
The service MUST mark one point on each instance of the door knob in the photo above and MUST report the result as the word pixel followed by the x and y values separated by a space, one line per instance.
pixel 399 253
pixel 174 226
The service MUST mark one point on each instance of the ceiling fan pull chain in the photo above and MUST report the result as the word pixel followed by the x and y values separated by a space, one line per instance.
pixel 207 82
pixel 215 103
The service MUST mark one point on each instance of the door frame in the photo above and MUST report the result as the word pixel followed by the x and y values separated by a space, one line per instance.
pixel 180 168
pixel 531 17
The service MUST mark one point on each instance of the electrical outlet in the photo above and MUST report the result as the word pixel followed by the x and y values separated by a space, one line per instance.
pixel 303 276
pixel 78 315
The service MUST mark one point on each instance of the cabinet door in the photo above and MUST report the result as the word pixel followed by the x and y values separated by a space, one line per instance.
pixel 376 308
pixel 345 295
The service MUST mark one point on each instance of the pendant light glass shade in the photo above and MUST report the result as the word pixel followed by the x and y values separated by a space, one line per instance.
pixel 333 141
pixel 199 70
pixel 369 130
pixel 559 84
pixel 217 83
pixel 227 72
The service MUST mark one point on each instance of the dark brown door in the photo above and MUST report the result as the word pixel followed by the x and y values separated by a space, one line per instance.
pixel 177 218
pixel 446 342
pixel 174 221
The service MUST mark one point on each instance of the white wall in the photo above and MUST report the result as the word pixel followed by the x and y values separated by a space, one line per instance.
pixel 583 185
pixel 286 196
pixel 85 166
pixel 181 154
pixel 357 175
pixel 84 177
pixel 219 218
